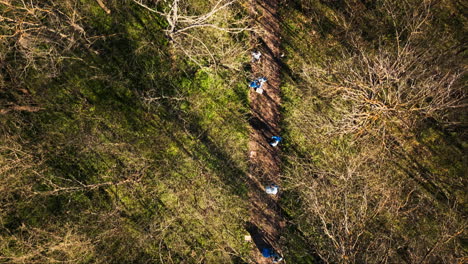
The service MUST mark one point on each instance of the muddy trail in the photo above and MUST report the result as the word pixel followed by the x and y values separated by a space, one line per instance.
pixel 265 217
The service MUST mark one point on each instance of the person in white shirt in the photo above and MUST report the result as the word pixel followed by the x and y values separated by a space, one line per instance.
pixel 256 56
pixel 272 189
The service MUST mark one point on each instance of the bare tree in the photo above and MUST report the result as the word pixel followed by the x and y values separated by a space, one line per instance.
pixel 359 201
pixel 177 14
pixel 41 33
pixel 341 203
pixel 56 244
pixel 203 33
pixel 396 86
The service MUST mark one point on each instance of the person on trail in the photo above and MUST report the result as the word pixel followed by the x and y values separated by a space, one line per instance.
pixel 277 258
pixel 257 84
pixel 254 84
pixel 275 140
pixel 267 252
pixel 270 253
pixel 272 189
pixel 256 56
pixel 262 80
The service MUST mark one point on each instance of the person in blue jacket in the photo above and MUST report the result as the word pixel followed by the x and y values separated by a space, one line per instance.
pixel 254 84
pixel 257 84
pixel 275 140
pixel 270 253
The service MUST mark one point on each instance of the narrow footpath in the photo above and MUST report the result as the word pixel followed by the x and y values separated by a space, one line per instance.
pixel 265 218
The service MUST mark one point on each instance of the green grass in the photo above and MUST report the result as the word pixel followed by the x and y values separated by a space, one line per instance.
pixel 184 157
pixel 425 168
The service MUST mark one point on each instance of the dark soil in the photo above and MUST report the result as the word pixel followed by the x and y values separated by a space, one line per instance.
pixel 265 218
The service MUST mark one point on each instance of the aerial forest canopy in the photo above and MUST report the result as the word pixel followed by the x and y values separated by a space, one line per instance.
pixel 125 128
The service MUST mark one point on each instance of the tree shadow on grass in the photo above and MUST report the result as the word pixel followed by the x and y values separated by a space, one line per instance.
pixel 441 191
pixel 208 152
pixel 258 236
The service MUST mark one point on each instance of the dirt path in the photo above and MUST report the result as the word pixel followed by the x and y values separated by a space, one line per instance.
pixel 266 221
